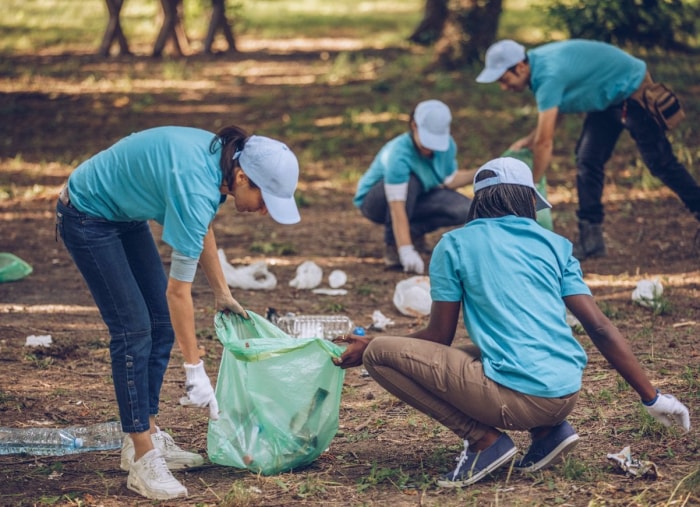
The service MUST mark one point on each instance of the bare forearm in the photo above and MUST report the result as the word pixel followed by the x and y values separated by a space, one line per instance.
pixel 619 354
pixel 182 317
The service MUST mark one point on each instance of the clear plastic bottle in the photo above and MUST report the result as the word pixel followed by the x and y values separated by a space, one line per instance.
pixel 60 441
pixel 315 326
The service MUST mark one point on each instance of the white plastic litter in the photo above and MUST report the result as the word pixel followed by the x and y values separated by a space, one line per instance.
pixel 337 278
pixel 43 340
pixel 330 292
pixel 380 322
pixel 255 276
pixel 412 296
pixel 648 293
pixel 309 276
pixel 633 467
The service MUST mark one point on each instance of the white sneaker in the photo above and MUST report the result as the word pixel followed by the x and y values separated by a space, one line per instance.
pixel 175 457
pixel 150 477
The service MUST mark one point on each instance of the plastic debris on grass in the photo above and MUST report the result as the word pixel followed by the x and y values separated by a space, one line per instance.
pixel 254 277
pixel 412 296
pixel 633 467
pixel 380 322
pixel 648 293
pixel 308 276
pixel 43 340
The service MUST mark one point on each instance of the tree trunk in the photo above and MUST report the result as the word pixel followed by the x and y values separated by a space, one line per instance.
pixel 172 29
pixel 114 30
pixel 429 29
pixel 218 21
pixel 470 29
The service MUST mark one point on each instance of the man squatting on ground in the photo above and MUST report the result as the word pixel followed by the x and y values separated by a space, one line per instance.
pixel 580 76
pixel 513 281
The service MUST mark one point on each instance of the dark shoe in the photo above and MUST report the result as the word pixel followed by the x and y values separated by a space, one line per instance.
pixel 391 256
pixel 548 450
pixel 591 242
pixel 421 245
pixel 474 466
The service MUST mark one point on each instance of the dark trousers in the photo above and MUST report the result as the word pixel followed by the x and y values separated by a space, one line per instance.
pixel 427 211
pixel 600 133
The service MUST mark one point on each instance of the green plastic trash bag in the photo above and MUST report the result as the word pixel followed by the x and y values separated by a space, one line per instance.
pixel 12 267
pixel 544 217
pixel 279 397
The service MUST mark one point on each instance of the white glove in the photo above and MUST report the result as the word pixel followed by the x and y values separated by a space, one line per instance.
pixel 667 409
pixel 199 390
pixel 411 259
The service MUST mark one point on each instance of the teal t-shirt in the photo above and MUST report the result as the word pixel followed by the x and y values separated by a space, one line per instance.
pixel 166 174
pixel 510 274
pixel 581 76
pixel 398 159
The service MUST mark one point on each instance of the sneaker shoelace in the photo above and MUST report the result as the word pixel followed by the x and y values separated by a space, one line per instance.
pixel 158 469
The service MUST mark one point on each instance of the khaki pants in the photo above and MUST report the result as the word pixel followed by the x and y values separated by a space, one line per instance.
pixel 448 384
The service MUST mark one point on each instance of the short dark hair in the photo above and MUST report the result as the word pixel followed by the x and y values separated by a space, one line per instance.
pixel 501 200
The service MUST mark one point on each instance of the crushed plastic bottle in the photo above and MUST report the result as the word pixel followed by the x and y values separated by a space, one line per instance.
pixel 316 326
pixel 61 441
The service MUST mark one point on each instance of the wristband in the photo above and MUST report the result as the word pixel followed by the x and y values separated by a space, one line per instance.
pixel 650 403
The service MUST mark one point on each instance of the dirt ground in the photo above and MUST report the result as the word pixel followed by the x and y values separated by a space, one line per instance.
pixel 56 112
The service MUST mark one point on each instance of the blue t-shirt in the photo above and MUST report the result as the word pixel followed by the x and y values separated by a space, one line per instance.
pixel 166 174
pixel 399 158
pixel 510 275
pixel 581 76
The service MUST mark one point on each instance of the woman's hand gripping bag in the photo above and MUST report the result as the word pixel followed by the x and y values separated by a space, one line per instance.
pixel 279 397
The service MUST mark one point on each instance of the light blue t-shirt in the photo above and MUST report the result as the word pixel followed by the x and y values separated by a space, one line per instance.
pixel 399 158
pixel 510 275
pixel 166 174
pixel 581 76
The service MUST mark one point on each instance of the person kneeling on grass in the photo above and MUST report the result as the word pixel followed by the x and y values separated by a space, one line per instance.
pixel 514 281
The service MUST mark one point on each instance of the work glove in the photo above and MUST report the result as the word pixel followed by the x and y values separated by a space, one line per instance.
pixel 667 409
pixel 199 390
pixel 411 260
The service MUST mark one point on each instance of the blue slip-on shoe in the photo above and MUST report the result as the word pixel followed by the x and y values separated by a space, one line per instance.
pixel 548 450
pixel 474 466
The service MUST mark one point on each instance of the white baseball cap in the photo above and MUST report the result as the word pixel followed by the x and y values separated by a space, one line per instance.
pixel 509 171
pixel 500 57
pixel 433 120
pixel 273 167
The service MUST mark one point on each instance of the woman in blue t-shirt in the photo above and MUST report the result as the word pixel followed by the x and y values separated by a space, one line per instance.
pixel 177 177
pixel 513 281
pixel 410 187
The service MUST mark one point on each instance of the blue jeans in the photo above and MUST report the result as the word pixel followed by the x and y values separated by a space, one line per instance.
pixel 124 272
pixel 600 133
pixel 427 211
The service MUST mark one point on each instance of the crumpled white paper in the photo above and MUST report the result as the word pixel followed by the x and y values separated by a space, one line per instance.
pixel 380 322
pixel 412 296
pixel 255 277
pixel 648 293
pixel 309 276
pixel 633 467
pixel 337 278
pixel 43 340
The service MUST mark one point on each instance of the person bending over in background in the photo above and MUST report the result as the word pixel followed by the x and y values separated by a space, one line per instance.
pixel 513 281
pixel 410 186
pixel 601 80
pixel 179 177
